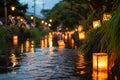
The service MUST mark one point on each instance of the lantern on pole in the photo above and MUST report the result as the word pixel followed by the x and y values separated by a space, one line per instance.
pixel 100 66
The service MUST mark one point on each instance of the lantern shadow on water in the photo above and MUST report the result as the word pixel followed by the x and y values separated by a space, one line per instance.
pixel 100 66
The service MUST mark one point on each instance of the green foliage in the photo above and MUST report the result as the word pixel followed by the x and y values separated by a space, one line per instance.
pixel 36 33
pixel 112 34
pixel 3 34
pixel 92 43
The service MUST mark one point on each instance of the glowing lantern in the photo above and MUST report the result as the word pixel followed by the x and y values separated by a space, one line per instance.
pixel 50 20
pixel 42 21
pixel 13 8
pixel 100 66
pixel 106 17
pixel 32 17
pixel 15 40
pixel 82 35
pixel 80 28
pixel 96 24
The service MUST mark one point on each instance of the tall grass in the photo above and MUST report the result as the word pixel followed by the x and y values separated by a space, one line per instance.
pixel 112 34
pixel 92 43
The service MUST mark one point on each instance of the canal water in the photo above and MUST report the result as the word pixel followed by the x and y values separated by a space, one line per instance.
pixel 43 60
pixel 45 64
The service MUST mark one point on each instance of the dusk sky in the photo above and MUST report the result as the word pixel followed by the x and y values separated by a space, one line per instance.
pixel 48 4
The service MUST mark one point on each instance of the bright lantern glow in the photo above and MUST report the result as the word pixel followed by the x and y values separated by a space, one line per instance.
pixel 80 28
pixel 82 35
pixel 96 24
pixel 100 66
pixel 106 17
pixel 15 40
pixel 13 8
pixel 32 17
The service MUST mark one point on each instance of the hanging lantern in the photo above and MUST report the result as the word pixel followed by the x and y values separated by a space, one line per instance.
pixel 96 24
pixel 13 8
pixel 100 66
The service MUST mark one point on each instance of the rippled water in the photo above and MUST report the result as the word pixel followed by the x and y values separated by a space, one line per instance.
pixel 46 64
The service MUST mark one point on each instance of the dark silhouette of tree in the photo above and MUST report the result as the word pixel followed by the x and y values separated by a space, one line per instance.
pixel 20 8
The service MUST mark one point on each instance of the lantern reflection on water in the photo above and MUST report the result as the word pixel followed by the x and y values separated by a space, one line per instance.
pixel 32 47
pixel 61 44
pixel 80 65
pixel 100 66
pixel 27 45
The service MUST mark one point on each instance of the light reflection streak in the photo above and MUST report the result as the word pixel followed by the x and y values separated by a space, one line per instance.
pixel 81 63
pixel 32 47
pixel 27 45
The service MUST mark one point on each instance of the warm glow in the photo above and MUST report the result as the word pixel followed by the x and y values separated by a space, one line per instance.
pixel 46 42
pixel 32 17
pixel 46 23
pixel 22 48
pixel 15 40
pixel 13 8
pixel 63 36
pixel 80 28
pixel 21 19
pixel 49 25
pixel 42 21
pixel 72 43
pixel 14 60
pixel 61 44
pixel 106 17
pixel 50 20
pixel 100 66
pixel 96 24
pixel 42 43
pixel 66 37
pixel 82 35
pixel 50 40
pixel 32 47
pixel 27 45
